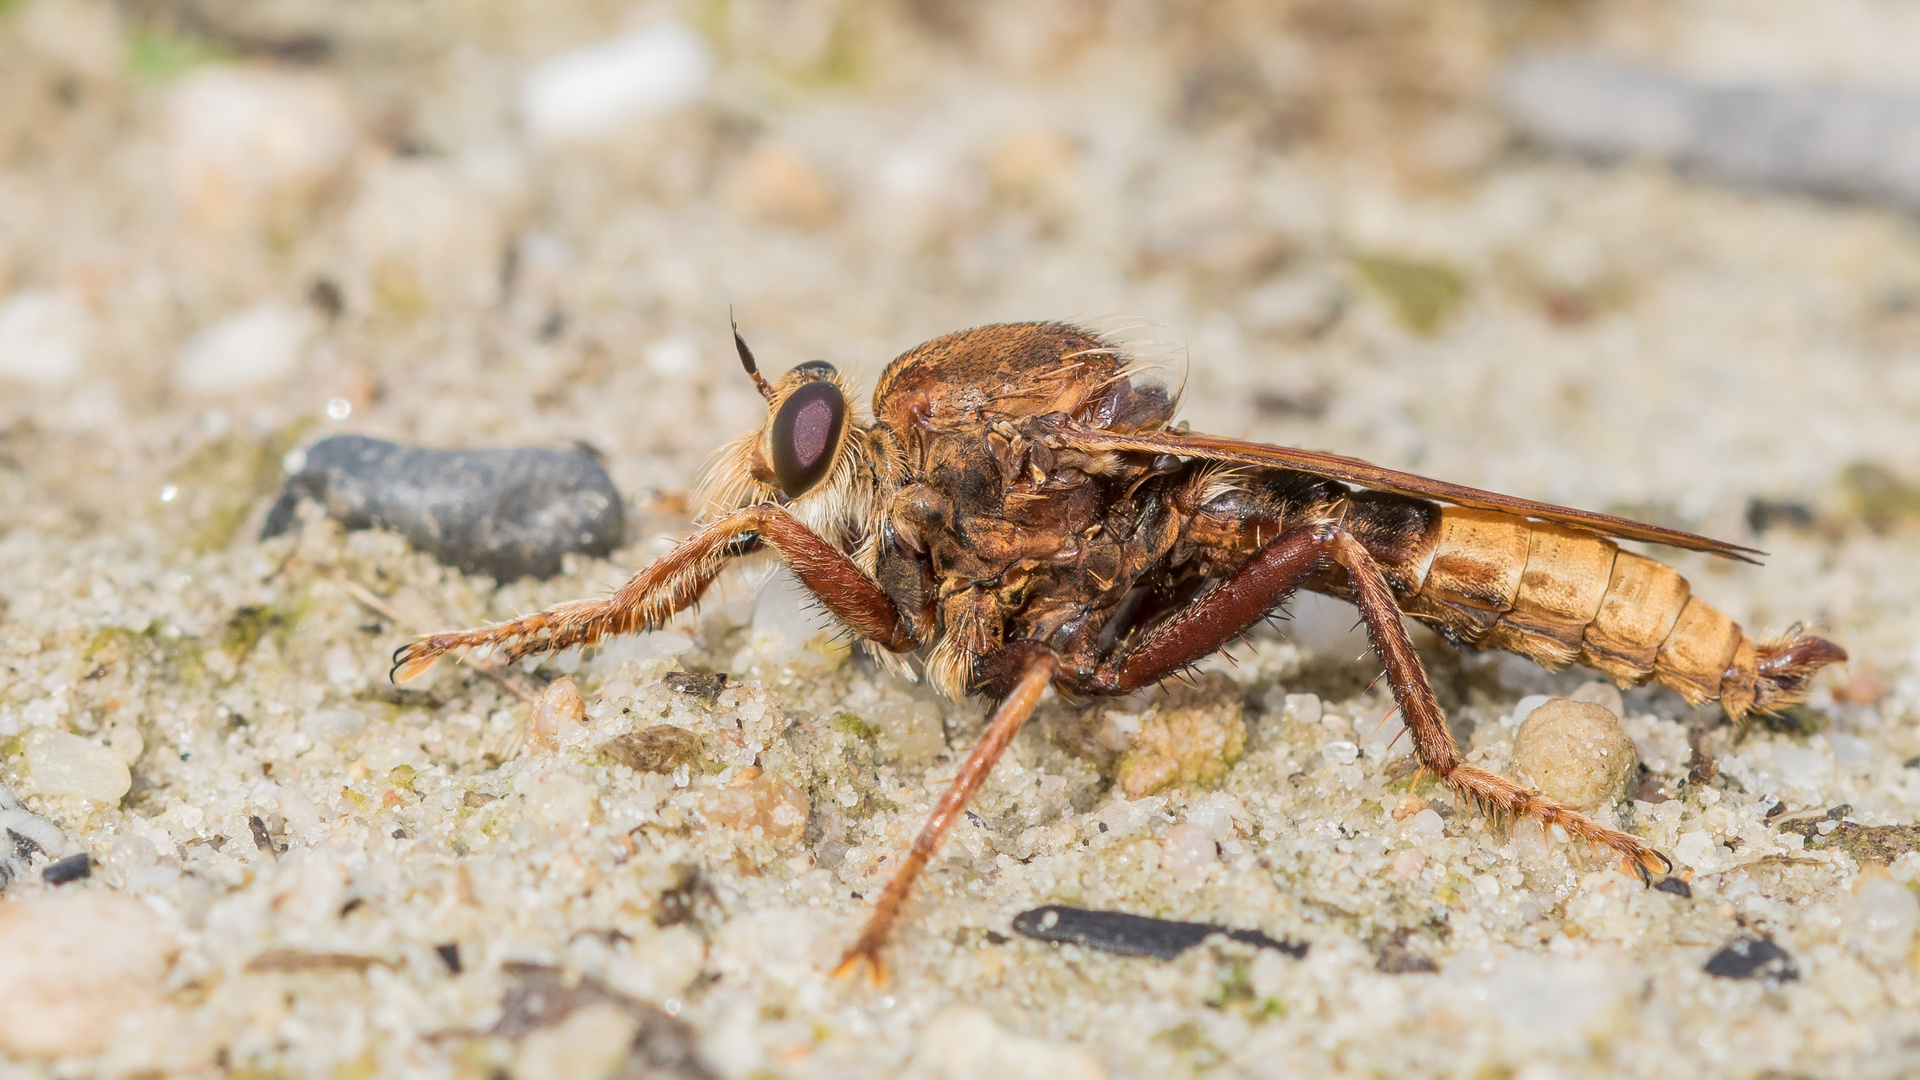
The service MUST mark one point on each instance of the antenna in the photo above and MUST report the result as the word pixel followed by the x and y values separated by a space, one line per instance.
pixel 746 357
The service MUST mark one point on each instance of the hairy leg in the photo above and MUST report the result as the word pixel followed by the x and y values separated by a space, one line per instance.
pixel 1264 582
pixel 1433 741
pixel 675 582
pixel 1013 712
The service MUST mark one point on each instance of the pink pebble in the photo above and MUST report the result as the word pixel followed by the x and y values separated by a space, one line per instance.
pixel 1187 851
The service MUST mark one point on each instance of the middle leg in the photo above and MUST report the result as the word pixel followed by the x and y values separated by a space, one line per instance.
pixel 1036 672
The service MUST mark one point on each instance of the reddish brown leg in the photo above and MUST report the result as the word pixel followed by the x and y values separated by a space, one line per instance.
pixel 1433 741
pixel 675 582
pixel 1262 583
pixel 1013 712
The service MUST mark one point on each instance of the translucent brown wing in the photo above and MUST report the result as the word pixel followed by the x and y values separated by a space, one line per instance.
pixel 1361 474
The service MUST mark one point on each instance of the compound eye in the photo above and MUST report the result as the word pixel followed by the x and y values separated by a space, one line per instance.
pixel 806 435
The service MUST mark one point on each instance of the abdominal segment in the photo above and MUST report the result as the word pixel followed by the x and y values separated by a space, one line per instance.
pixel 1561 596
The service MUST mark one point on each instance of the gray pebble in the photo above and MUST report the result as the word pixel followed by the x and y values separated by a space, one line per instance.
pixel 1843 142
pixel 509 513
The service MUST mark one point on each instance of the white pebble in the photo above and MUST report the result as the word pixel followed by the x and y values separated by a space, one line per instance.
pixel 1303 708
pixel 249 145
pixel 558 799
pixel 1880 922
pixel 1696 849
pixel 1341 752
pixel 76 963
pixel 1186 852
pixel 672 356
pixel 594 89
pixel 66 764
pixel 964 1043
pixel 1426 825
pixel 1215 813
pixel 559 708
pixel 1603 693
pixel 260 345
pixel 1576 754
pixel 1525 706
pixel 43 338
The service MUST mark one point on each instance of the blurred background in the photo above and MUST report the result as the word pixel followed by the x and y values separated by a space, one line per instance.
pixel 1652 258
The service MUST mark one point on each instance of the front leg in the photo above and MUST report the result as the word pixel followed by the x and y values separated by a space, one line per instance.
pixel 1264 582
pixel 675 582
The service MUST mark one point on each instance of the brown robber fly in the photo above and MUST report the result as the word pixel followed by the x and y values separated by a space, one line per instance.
pixel 1020 511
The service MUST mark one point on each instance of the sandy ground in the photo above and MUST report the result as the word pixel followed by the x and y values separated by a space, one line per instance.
pixel 226 230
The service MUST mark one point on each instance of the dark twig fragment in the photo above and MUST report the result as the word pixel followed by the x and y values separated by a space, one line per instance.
pixel 1134 935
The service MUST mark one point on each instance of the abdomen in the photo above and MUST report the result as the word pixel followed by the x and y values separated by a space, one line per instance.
pixel 1561 596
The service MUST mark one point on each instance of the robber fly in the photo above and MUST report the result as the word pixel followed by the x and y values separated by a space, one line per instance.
pixel 1020 512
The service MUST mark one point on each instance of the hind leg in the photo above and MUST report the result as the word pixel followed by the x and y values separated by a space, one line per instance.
pixel 1433 741
pixel 1265 581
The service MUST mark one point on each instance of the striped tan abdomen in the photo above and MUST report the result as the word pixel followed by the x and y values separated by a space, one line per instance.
pixel 1560 596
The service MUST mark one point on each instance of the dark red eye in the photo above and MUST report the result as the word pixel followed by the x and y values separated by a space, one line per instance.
pixel 806 434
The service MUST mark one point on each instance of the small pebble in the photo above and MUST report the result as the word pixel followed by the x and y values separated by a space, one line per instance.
pixel 75 964
pixel 1753 958
pixel 1879 923
pixel 703 685
pixel 70 869
pixel 43 338
pixel 1424 824
pixel 1186 852
pixel 1341 752
pixel 1216 813
pixel 506 513
pixel 1407 806
pixel 66 764
pixel 1676 886
pixel 757 800
pixel 661 748
pixel 255 347
pixel 1603 693
pixel 560 706
pixel 597 89
pixel 1575 753
pixel 252 146
pixel 962 1042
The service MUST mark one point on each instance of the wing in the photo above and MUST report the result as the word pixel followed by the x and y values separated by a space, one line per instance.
pixel 1361 474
